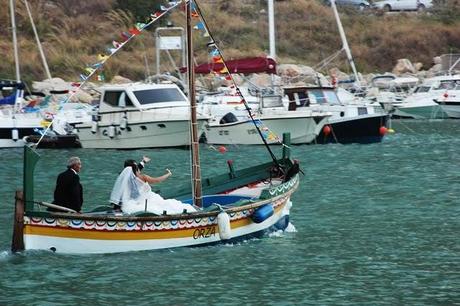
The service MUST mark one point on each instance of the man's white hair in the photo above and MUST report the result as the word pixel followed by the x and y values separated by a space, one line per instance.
pixel 73 161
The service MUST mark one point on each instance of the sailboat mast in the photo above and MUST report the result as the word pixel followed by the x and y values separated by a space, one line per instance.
pixel 271 28
pixel 345 42
pixel 39 45
pixel 196 170
pixel 15 41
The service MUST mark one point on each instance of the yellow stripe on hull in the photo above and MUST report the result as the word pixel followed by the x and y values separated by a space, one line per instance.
pixel 124 234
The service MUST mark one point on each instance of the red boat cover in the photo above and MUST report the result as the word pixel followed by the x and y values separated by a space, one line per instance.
pixel 245 66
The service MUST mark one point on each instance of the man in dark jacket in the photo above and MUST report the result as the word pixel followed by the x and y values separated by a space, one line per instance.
pixel 69 192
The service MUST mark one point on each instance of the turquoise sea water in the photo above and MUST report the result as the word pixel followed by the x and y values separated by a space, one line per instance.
pixel 375 224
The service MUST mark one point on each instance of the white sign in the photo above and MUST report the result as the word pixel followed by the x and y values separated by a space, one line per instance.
pixel 170 43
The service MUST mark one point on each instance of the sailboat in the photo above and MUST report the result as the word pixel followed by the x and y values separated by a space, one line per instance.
pixel 14 124
pixel 235 205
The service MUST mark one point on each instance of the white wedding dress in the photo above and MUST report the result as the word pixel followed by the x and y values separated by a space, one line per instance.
pixel 134 196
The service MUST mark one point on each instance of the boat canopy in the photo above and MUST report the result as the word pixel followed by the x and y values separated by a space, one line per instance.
pixel 245 66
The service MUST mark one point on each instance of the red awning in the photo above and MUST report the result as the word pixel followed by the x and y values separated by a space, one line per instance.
pixel 245 66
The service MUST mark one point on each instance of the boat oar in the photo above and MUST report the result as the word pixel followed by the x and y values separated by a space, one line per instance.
pixel 58 207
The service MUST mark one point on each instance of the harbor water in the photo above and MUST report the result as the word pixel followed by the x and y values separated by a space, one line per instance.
pixel 375 224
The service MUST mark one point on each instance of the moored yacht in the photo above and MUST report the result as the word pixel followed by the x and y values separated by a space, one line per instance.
pixel 351 121
pixel 138 116
pixel 271 116
pixel 421 105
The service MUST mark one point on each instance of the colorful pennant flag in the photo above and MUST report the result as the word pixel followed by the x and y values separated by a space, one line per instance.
pixel 102 57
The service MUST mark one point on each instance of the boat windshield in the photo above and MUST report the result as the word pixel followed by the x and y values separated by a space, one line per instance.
pixel 324 96
pixel 160 95
pixel 421 89
pixel 450 84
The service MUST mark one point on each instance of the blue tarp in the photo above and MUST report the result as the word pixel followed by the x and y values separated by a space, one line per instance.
pixel 8 100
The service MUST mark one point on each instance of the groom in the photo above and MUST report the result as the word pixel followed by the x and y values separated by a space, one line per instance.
pixel 69 192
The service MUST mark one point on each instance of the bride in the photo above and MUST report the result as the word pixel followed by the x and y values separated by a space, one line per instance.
pixel 133 193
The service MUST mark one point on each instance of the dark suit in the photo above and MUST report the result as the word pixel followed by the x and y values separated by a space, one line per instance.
pixel 68 192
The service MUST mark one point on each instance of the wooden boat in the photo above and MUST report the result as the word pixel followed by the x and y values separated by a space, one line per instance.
pixel 235 205
pixel 256 200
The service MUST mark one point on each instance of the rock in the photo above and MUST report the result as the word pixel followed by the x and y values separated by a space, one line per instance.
pixel 437 60
pixel 418 66
pixel 82 96
pixel 120 80
pixel 404 66
pixel 55 84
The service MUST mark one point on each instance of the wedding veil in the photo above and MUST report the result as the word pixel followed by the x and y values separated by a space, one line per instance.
pixel 126 187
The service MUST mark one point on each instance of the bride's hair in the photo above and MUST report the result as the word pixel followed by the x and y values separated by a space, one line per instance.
pixel 131 163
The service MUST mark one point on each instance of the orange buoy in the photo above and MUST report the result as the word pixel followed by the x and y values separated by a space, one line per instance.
pixel 383 130
pixel 222 149
pixel 326 130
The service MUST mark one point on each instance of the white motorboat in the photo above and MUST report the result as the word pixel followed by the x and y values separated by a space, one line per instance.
pixel 139 116
pixel 421 105
pixel 351 121
pixel 450 102
pixel 232 125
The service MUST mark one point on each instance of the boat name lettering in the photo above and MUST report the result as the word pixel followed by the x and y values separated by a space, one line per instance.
pixel 252 131
pixel 206 232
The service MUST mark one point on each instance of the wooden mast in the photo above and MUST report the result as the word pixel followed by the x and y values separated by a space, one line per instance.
pixel 196 170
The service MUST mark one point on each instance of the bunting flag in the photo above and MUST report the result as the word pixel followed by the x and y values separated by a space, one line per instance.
pixel 101 77
pixel 125 36
pixel 155 15
pixel 134 31
pixel 214 52
pixel 199 26
pixel 217 59
pixel 102 57
pixel 140 26
pixel 96 65
pixel 116 44
pixel 89 70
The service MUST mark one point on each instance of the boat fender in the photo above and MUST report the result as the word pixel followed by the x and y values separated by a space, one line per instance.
pixel 15 134
pixel 123 122
pixel 111 131
pixel 223 221
pixel 94 127
pixel 262 213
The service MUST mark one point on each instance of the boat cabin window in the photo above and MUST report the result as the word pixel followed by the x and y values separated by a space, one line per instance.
pixel 117 99
pixel 160 95
pixel 448 85
pixel 303 98
pixel 421 89
pixel 272 101
pixel 324 96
